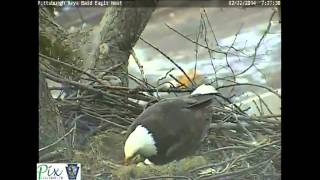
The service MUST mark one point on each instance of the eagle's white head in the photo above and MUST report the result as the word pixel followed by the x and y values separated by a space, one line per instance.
pixel 139 142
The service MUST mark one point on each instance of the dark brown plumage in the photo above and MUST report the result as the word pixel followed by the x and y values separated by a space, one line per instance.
pixel 177 125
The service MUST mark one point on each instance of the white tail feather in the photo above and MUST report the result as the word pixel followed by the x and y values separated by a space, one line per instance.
pixel 204 89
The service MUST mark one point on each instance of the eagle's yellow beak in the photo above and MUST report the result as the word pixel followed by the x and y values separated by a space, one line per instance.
pixel 133 160
pixel 125 162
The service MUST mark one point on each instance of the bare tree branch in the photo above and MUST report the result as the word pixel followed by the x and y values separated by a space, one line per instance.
pixel 169 60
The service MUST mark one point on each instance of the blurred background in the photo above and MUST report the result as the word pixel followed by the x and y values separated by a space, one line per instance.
pixel 248 23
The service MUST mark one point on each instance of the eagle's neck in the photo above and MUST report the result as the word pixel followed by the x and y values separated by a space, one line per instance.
pixel 140 141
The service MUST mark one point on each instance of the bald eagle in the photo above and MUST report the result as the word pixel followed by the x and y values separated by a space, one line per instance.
pixel 171 129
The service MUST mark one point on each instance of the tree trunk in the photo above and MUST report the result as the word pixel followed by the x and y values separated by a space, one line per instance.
pixel 111 41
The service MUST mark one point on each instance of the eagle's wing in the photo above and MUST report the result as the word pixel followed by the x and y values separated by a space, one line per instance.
pixel 174 152
pixel 198 101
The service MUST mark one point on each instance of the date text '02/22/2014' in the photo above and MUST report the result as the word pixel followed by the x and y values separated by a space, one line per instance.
pixel 254 3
